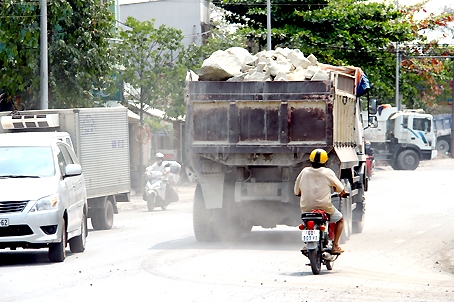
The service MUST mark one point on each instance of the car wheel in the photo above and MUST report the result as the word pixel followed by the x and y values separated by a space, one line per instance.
pixel 77 244
pixel 57 251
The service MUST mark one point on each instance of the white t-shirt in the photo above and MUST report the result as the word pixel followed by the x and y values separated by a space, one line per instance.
pixel 315 187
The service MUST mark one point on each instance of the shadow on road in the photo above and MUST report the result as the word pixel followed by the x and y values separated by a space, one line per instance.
pixel 255 240
pixel 26 257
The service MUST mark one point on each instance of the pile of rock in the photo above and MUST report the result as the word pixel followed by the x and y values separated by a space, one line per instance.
pixel 283 64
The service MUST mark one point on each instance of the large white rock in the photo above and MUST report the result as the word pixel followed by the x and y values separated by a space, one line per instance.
pixel 276 67
pixel 283 64
pixel 298 75
pixel 320 75
pixel 281 77
pixel 258 76
pixel 220 66
pixel 242 54
pixel 298 59
pixel 312 59
pixel 311 70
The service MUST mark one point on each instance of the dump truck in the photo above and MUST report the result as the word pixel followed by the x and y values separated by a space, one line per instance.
pixel 100 139
pixel 443 126
pixel 246 143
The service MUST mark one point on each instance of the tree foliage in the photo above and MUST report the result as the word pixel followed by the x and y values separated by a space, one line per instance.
pixel 78 50
pixel 150 63
pixel 346 32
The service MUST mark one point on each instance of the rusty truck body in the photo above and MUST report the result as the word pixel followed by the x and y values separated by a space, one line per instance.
pixel 246 143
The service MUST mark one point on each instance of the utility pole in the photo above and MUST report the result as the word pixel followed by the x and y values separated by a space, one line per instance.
pixel 268 23
pixel 44 94
pixel 398 105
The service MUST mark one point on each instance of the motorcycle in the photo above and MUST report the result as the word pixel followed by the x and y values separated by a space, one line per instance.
pixel 158 191
pixel 318 236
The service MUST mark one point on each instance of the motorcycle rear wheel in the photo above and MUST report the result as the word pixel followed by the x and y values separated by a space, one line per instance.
pixel 315 256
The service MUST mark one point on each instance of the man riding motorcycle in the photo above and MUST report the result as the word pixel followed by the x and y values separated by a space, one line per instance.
pixel 313 185
pixel 158 164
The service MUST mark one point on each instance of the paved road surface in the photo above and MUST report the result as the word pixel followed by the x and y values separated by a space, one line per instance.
pixel 404 254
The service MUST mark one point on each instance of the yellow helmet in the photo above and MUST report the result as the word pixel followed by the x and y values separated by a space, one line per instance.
pixel 318 156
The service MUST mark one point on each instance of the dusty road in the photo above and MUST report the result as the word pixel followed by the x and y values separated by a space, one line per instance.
pixel 404 254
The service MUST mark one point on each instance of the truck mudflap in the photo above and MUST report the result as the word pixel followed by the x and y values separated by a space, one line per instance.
pixel 347 156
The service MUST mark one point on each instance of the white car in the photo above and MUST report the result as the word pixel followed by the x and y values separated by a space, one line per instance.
pixel 43 200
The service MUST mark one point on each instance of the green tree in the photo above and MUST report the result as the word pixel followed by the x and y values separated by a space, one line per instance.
pixel 78 50
pixel 149 58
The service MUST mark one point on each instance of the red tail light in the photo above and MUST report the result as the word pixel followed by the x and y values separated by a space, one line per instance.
pixel 301 227
pixel 310 225
pixel 322 228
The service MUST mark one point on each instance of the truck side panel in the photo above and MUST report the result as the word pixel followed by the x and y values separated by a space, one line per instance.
pixel 104 135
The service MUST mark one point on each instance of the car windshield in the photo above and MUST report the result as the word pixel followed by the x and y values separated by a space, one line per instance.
pixel 26 162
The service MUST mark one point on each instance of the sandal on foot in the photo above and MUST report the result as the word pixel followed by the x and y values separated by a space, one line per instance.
pixel 337 250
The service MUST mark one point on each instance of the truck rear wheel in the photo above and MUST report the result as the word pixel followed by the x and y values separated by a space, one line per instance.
pixel 202 219
pixel 103 218
pixel 346 209
pixel 225 227
pixel 408 160
pixel 442 146
pixel 359 213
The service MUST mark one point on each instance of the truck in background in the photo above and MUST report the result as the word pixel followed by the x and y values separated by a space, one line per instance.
pixel 402 138
pixel 247 142
pixel 100 139
pixel 443 126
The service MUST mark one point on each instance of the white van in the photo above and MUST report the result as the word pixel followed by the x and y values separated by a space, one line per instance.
pixel 43 200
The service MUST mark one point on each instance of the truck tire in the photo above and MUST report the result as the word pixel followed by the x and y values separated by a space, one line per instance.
pixel 360 211
pixel 442 146
pixel 408 160
pixel 202 219
pixel 77 244
pixel 57 251
pixel 395 165
pixel 225 227
pixel 103 218
pixel 346 210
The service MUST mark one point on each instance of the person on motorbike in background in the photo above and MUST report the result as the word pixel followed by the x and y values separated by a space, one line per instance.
pixel 158 164
pixel 313 185
pixel 369 150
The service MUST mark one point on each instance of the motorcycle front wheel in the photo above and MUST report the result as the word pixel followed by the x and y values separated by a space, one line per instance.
pixel 315 257
pixel 151 200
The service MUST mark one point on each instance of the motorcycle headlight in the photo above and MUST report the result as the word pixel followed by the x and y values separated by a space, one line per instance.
pixel 46 203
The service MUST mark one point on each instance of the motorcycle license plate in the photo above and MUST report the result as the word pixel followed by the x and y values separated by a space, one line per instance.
pixel 4 222
pixel 310 235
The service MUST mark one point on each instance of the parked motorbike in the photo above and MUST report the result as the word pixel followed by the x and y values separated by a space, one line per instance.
pixel 318 236
pixel 158 191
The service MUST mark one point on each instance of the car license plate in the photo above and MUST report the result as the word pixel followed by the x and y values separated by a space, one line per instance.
pixel 4 222
pixel 310 235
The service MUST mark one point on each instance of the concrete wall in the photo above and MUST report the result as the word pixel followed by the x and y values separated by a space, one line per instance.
pixel 189 16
